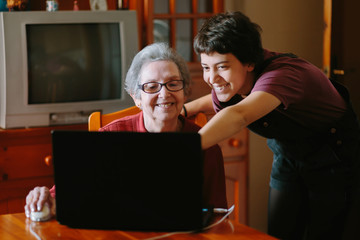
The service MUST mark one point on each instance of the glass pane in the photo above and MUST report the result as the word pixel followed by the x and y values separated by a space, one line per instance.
pixel 183 6
pixel 184 38
pixel 205 6
pixel 161 30
pixel 161 6
pixel 200 22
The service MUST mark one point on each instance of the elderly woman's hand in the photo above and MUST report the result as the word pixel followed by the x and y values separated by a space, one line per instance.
pixel 37 198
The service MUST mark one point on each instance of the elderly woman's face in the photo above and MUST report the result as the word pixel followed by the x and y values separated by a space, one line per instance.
pixel 164 105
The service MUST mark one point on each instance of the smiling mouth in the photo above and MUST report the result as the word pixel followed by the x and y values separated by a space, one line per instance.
pixel 220 88
pixel 164 105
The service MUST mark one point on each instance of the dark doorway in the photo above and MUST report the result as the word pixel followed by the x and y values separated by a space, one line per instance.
pixel 345 47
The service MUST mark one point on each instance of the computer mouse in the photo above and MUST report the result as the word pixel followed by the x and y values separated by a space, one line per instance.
pixel 42 215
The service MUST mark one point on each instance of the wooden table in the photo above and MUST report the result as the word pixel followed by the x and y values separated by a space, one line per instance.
pixel 17 226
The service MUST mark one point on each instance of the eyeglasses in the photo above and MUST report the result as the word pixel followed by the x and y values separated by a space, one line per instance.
pixel 154 87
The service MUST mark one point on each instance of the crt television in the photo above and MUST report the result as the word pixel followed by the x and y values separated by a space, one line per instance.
pixel 58 67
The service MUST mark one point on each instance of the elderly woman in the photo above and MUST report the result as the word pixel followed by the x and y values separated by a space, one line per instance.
pixel 159 82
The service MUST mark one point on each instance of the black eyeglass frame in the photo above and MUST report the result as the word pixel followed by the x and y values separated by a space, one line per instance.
pixel 161 86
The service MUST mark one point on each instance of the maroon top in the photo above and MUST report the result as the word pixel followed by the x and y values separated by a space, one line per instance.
pixel 305 92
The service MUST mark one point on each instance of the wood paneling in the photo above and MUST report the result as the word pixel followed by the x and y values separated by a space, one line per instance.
pixel 24 163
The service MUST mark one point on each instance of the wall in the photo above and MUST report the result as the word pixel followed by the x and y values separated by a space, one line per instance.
pixel 288 26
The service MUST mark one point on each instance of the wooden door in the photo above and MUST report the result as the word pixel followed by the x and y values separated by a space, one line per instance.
pixel 345 47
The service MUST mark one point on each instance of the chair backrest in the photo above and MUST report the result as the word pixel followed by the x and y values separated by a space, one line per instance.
pixel 98 120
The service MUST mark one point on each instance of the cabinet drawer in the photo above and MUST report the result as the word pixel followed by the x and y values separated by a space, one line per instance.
pixel 14 192
pixel 24 161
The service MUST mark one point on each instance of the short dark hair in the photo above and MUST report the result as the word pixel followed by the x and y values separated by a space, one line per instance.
pixel 230 32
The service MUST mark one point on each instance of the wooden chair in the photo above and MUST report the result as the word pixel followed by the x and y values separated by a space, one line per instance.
pixel 97 120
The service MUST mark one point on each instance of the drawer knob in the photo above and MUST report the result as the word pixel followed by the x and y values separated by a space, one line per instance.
pixel 236 143
pixel 4 177
pixel 48 160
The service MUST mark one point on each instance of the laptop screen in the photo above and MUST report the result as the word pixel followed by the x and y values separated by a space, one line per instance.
pixel 128 180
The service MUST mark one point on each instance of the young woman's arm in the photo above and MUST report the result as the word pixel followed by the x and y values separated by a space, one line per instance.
pixel 232 119
pixel 202 104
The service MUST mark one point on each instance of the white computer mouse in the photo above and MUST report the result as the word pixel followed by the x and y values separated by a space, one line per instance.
pixel 42 215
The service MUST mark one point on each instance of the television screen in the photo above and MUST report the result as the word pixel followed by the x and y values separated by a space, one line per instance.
pixel 73 62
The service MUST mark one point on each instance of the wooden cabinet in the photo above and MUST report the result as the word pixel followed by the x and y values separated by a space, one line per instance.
pixel 235 152
pixel 25 162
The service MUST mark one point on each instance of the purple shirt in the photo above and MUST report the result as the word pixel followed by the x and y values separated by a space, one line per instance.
pixel 306 94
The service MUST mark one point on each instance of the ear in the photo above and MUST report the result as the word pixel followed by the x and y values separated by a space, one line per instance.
pixel 251 67
pixel 136 101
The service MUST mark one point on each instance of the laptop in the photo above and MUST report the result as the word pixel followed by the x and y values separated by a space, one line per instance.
pixel 128 180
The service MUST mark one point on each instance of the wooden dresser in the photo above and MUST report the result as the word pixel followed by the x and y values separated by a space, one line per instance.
pixel 25 162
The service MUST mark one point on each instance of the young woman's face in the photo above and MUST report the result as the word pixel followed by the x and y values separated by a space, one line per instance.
pixel 226 75
pixel 165 105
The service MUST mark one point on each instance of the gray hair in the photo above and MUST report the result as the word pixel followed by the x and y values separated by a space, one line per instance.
pixel 153 53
